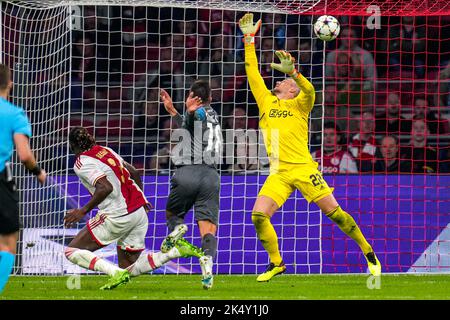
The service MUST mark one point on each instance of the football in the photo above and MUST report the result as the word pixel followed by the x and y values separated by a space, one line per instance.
pixel 327 28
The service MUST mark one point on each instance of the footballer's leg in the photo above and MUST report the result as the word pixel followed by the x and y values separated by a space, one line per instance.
pixel 206 211
pixel 347 224
pixel 181 200
pixel 177 229
pixel 272 195
pixel 263 210
pixel 127 258
pixel 8 243
pixel 209 246
pixel 80 252
pixel 133 244
pixel 315 189
pixel 151 261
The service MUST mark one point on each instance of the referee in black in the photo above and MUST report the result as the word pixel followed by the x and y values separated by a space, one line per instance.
pixel 15 129
pixel 196 182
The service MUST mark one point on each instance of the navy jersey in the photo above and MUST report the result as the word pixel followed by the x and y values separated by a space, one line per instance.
pixel 199 141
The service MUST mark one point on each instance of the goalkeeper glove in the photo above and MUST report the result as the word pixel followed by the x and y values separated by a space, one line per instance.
pixel 287 63
pixel 248 28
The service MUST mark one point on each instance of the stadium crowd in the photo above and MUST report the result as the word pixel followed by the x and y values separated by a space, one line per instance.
pixel 385 91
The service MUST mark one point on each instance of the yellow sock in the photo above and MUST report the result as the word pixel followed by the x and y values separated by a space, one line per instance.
pixel 267 235
pixel 348 225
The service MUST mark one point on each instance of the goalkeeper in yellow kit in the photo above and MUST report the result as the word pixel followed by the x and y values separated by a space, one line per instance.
pixel 283 114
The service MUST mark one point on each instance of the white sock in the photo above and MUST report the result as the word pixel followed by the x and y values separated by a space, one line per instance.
pixel 152 261
pixel 88 260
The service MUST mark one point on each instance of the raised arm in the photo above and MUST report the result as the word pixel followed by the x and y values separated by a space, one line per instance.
pixel 305 99
pixel 102 190
pixel 168 105
pixel 256 82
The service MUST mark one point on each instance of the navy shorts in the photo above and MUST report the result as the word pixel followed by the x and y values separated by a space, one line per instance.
pixel 195 186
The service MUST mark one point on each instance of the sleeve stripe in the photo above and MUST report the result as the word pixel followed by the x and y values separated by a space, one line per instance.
pixel 96 179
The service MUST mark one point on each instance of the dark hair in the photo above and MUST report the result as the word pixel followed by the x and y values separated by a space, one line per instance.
pixel 80 139
pixel 201 89
pixel 332 125
pixel 5 75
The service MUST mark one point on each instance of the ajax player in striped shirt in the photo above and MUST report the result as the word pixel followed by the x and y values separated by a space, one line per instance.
pixel 116 190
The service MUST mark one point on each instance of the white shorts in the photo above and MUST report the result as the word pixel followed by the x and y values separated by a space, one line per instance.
pixel 128 230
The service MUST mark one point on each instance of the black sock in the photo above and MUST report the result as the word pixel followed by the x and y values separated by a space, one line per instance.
pixel 209 245
pixel 173 221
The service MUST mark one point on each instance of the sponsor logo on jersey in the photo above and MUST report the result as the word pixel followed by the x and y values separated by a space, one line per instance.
pixel 101 154
pixel 275 113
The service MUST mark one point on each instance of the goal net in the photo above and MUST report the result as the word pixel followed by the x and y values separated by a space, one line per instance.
pixel 382 95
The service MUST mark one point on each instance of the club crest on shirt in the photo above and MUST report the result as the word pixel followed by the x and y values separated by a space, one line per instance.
pixel 335 161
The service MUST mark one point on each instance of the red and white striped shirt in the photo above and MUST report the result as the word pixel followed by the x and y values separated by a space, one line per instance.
pixel 99 162
pixel 338 162
pixel 363 150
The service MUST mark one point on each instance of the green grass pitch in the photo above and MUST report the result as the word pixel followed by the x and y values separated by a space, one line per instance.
pixel 232 287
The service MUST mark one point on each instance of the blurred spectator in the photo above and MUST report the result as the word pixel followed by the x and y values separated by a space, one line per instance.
pixel 363 145
pixel 211 22
pixel 391 121
pixel 165 132
pixel 332 112
pixel 442 98
pixel 147 121
pixel 335 158
pixel 191 40
pixel 237 119
pixel 389 157
pixel 246 158
pixel 424 159
pixel 362 60
pixel 171 75
pixel 274 27
pixel 89 71
pixel 160 162
pixel 221 63
pixel 348 83
pixel 407 45
pixel 309 62
pixel 266 58
pixel 433 121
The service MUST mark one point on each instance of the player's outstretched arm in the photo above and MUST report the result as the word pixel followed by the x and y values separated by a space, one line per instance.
pixel 102 189
pixel 305 98
pixel 256 82
pixel 287 65
pixel 168 105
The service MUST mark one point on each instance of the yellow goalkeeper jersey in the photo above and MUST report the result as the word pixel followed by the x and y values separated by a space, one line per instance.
pixel 284 123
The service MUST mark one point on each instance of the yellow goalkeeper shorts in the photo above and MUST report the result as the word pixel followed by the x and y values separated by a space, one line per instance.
pixel 287 177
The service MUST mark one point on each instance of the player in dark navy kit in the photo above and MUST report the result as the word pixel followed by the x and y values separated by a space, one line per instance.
pixel 15 129
pixel 196 182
